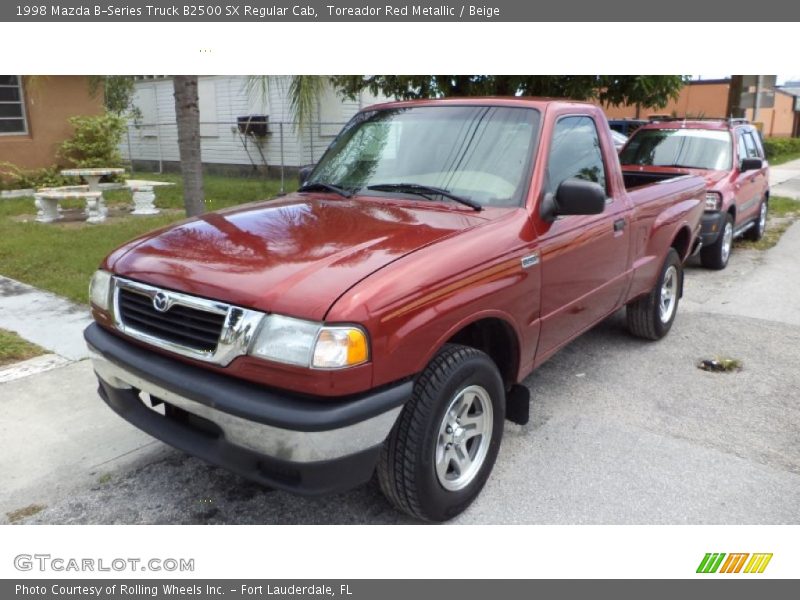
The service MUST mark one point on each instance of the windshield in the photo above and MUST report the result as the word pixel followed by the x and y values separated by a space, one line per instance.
pixel 691 148
pixel 480 153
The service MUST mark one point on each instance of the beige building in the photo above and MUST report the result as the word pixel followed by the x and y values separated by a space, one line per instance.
pixel 34 113
pixel 709 98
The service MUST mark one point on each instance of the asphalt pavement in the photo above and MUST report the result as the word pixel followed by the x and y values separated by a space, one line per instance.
pixel 622 431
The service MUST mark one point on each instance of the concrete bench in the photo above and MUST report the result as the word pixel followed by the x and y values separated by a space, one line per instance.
pixel 47 203
pixel 143 198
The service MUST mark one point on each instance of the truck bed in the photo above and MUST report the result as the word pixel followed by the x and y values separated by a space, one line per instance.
pixel 637 179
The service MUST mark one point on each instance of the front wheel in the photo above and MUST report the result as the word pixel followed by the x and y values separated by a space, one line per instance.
pixel 445 441
pixel 717 254
pixel 756 232
pixel 651 316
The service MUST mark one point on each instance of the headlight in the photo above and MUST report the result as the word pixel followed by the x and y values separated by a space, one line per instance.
pixel 340 347
pixel 309 344
pixel 100 290
pixel 713 201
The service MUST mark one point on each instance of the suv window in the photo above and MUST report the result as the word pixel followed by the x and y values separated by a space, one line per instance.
pixel 741 147
pixel 750 145
pixel 689 148
pixel 575 152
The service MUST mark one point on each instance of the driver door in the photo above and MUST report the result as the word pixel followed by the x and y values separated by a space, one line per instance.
pixel 584 258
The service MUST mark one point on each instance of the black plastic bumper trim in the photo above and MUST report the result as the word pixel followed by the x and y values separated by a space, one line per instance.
pixel 708 232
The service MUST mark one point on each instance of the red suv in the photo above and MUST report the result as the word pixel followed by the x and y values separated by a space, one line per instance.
pixel 728 153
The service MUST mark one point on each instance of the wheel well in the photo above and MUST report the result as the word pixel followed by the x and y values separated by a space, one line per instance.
pixel 732 211
pixel 496 338
pixel 681 243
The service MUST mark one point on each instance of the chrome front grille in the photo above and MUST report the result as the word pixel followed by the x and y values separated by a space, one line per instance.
pixel 178 324
pixel 191 326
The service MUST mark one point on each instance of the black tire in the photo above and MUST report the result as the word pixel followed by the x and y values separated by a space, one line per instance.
pixel 407 467
pixel 714 256
pixel 756 232
pixel 644 315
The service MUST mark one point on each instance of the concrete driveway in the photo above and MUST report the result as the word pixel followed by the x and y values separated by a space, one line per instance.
pixel 622 431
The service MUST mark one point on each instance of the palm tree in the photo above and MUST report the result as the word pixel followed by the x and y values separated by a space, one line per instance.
pixel 304 94
pixel 187 113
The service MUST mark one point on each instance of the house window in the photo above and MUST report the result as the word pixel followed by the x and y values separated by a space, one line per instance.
pixel 12 106
pixel 207 105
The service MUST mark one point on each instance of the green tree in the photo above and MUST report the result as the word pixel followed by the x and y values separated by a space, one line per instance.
pixel 652 91
pixel 304 93
pixel 118 91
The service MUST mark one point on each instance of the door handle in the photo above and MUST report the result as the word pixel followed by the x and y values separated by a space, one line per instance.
pixel 619 224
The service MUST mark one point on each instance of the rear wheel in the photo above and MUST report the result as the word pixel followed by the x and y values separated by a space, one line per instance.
pixel 717 254
pixel 651 316
pixel 756 232
pixel 444 444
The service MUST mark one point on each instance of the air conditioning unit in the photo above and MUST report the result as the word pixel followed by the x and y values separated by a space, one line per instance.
pixel 255 125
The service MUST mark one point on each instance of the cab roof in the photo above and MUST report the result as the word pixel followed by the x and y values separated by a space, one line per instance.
pixel 518 101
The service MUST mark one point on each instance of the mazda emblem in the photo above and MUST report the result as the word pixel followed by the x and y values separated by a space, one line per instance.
pixel 161 302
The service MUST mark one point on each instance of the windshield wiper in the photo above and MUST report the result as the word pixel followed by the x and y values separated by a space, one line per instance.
pixel 424 191
pixel 328 187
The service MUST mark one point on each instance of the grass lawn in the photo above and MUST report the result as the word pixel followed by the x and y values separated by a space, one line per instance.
pixel 783 158
pixel 14 349
pixel 783 212
pixel 61 257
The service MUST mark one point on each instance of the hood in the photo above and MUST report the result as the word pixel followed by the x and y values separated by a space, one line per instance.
pixel 294 256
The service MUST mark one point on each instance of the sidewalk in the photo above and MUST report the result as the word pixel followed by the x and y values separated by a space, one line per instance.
pixel 61 436
pixel 43 318
pixel 784 180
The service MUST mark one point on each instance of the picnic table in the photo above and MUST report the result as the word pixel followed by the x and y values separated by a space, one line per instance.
pixel 47 199
pixel 92 176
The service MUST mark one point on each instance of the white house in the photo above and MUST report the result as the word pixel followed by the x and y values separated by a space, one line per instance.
pixel 152 141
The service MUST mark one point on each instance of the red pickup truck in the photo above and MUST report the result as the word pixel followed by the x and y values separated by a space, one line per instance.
pixel 384 317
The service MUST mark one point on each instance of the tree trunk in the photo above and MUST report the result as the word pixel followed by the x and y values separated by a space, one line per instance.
pixel 187 112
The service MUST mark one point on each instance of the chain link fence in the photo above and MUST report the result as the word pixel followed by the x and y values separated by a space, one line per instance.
pixel 252 146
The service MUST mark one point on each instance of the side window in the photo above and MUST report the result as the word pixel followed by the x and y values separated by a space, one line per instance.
pixel 750 144
pixel 759 146
pixel 741 147
pixel 575 152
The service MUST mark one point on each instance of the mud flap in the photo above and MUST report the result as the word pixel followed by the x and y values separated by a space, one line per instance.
pixel 518 402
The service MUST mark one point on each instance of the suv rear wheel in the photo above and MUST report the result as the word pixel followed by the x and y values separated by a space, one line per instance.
pixel 717 254
pixel 444 444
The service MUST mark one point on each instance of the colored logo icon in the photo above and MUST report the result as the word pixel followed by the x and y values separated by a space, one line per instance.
pixel 719 562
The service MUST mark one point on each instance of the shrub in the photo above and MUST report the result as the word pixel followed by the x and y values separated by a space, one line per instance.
pixel 781 146
pixel 14 178
pixel 95 142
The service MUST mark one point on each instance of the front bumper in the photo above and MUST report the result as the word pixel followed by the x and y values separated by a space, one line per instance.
pixel 284 441
pixel 711 226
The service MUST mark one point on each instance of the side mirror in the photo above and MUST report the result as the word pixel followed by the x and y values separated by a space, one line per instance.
pixel 304 173
pixel 575 197
pixel 751 164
